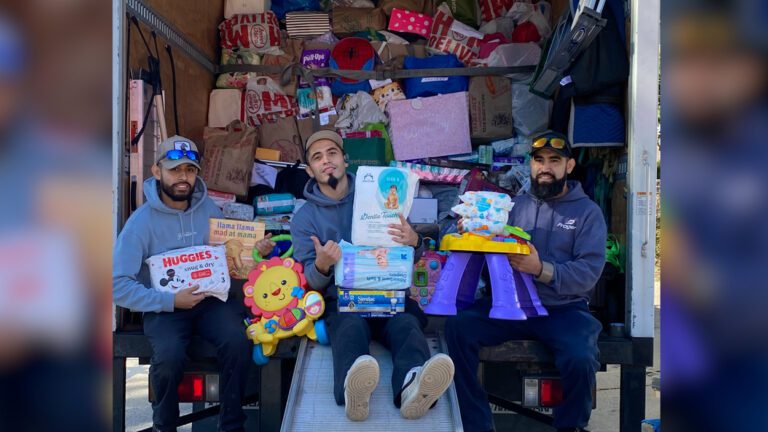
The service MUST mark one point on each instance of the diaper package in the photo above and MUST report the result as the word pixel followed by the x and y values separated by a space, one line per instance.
pixel 483 211
pixel 379 268
pixel 183 268
pixel 381 193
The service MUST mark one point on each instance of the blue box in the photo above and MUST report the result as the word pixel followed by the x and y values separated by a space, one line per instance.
pixel 371 303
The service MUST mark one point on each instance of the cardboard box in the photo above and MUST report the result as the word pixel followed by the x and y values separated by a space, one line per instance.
pixel 239 238
pixel 490 108
pixel 423 210
pixel 371 303
pixel 267 154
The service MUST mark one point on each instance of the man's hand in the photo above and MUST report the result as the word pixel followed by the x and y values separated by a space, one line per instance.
pixel 403 233
pixel 326 256
pixel 527 263
pixel 187 298
pixel 265 245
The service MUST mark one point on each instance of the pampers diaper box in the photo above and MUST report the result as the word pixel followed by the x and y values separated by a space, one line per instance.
pixel 381 194
pixel 371 303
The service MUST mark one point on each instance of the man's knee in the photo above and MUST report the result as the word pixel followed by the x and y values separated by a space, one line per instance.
pixel 404 321
pixel 234 344
pixel 578 363
pixel 168 362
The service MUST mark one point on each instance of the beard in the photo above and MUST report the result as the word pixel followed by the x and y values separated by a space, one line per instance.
pixel 177 196
pixel 547 190
pixel 333 182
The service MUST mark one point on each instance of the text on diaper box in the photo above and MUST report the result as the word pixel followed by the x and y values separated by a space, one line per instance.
pixel 186 258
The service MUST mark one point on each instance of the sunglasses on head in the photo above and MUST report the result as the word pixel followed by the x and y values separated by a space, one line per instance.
pixel 179 154
pixel 557 143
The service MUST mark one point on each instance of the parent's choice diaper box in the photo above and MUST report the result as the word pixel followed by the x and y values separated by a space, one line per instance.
pixel 374 267
pixel 371 303
pixel 381 194
pixel 180 269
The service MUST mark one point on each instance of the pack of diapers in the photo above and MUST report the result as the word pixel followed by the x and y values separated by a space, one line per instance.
pixel 483 211
pixel 179 269
pixel 374 267
pixel 381 193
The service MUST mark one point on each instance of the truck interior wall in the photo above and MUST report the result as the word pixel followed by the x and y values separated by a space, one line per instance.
pixel 198 21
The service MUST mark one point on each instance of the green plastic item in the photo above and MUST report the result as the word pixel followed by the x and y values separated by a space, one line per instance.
pixel 389 155
pixel 613 253
pixel 518 232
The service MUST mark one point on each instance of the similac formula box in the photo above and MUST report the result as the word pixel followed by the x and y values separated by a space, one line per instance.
pixel 371 303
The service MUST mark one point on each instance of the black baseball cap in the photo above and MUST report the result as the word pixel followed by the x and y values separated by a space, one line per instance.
pixel 555 141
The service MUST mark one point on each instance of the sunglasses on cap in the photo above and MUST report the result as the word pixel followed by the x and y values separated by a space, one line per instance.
pixel 180 154
pixel 557 143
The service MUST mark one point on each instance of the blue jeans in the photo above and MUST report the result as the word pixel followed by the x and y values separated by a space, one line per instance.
pixel 570 331
pixel 169 333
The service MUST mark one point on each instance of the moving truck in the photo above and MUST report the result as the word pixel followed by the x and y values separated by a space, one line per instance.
pixel 519 375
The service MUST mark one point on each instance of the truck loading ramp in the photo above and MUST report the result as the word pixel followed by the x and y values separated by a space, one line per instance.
pixel 311 406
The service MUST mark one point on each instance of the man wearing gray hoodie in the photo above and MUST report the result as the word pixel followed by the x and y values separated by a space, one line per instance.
pixel 175 216
pixel 567 256
pixel 418 380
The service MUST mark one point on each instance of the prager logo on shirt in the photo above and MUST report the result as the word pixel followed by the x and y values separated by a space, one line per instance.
pixel 569 224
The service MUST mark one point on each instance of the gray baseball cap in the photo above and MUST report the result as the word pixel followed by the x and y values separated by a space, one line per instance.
pixel 177 150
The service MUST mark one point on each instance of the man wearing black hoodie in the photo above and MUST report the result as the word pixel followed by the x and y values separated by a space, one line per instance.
pixel 567 256
pixel 317 228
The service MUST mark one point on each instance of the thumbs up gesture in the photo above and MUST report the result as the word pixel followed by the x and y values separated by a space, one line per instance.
pixel 326 255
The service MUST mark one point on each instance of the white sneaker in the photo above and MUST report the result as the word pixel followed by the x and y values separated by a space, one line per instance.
pixel 362 378
pixel 424 385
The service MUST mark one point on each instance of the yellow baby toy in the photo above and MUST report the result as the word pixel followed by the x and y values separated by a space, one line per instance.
pixel 282 307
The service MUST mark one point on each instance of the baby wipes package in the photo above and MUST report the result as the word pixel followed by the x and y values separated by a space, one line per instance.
pixel 483 211
pixel 179 269
pixel 379 268
pixel 381 193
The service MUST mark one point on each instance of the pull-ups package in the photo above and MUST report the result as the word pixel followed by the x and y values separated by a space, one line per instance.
pixel 374 267
pixel 179 269
pixel 381 194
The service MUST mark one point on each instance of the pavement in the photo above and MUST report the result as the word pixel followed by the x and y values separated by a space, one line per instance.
pixel 605 418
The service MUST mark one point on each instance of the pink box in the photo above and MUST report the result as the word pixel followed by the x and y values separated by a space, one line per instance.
pixel 410 22
pixel 429 127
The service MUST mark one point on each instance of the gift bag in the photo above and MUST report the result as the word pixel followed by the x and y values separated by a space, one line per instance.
pixel 228 157
pixel 416 125
pixel 454 37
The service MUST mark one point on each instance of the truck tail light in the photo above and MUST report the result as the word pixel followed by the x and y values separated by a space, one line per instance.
pixel 551 392
pixel 542 392
pixel 196 387
pixel 191 388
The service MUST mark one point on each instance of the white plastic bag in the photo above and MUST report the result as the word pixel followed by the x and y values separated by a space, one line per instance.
pixel 530 113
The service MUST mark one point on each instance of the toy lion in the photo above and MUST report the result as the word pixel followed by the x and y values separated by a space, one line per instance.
pixel 281 305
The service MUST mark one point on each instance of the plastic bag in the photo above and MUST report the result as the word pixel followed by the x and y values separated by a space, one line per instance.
pixel 530 112
pixel 282 7
pixel 356 110
pixel 265 101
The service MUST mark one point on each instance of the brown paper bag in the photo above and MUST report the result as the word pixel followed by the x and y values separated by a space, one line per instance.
pixel 282 135
pixel 352 20
pixel 228 158
pixel 306 128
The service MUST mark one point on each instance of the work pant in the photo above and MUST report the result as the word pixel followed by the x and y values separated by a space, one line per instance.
pixel 401 334
pixel 217 322
pixel 570 331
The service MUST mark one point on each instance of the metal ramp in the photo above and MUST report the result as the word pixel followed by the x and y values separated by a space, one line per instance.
pixel 311 406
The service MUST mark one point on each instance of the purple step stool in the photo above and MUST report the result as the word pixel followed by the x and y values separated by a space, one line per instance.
pixel 514 295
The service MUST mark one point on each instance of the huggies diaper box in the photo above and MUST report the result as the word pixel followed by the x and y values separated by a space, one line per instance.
pixel 180 269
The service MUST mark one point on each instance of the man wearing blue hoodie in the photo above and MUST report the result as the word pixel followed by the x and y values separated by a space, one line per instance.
pixel 567 257
pixel 175 216
pixel 418 380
